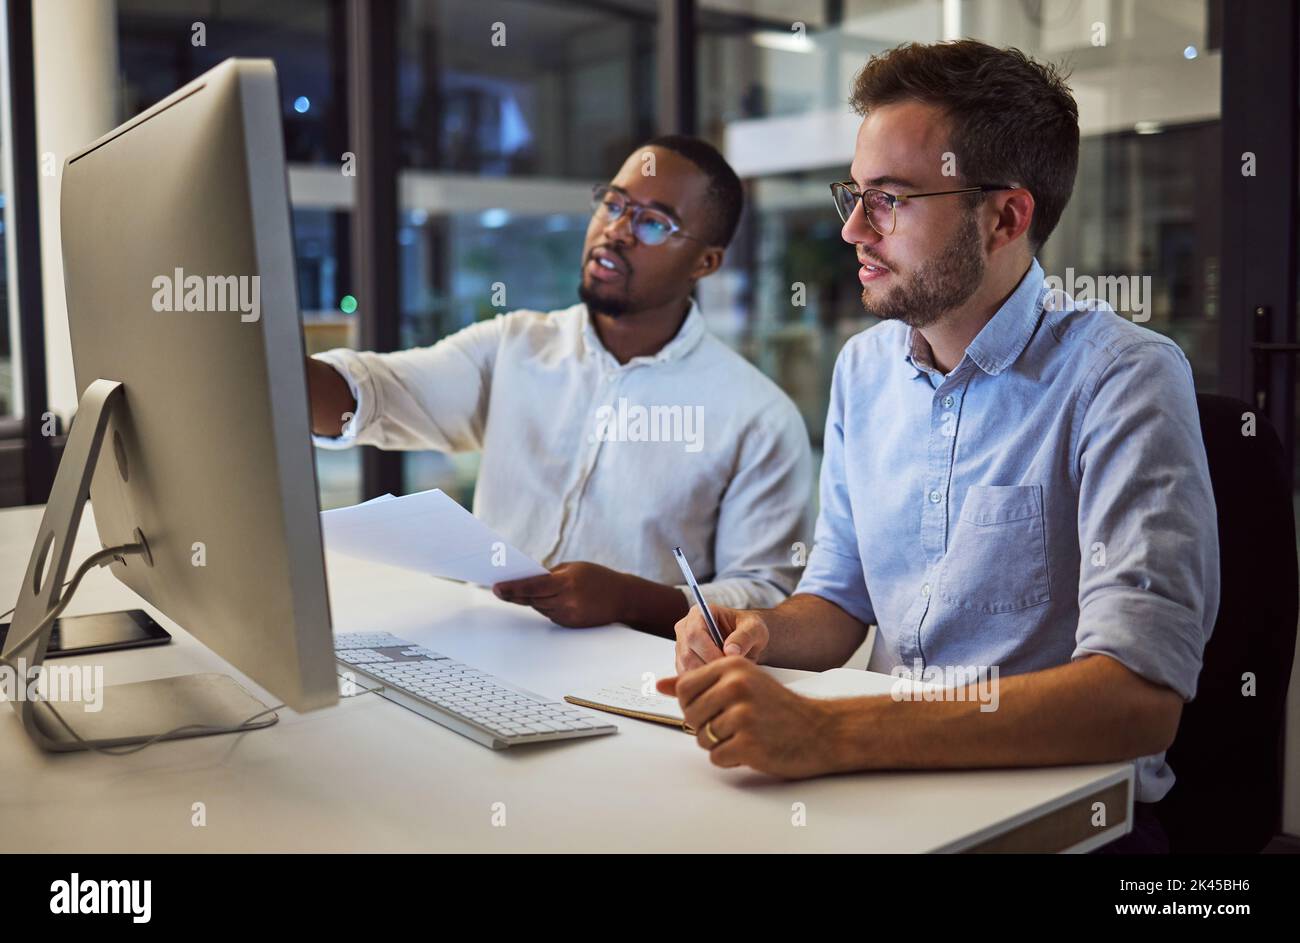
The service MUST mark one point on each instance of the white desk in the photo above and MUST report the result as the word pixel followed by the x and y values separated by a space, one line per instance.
pixel 369 775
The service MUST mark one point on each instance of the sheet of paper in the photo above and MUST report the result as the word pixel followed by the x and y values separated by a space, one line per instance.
pixel 427 532
pixel 632 696
pixel 638 696
pixel 838 682
pixel 853 682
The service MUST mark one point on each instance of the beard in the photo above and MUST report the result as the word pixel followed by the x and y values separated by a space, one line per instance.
pixel 597 304
pixel 939 285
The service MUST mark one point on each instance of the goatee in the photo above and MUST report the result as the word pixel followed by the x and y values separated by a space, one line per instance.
pixel 596 304
pixel 941 284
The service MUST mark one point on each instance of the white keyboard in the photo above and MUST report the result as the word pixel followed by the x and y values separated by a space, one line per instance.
pixel 459 697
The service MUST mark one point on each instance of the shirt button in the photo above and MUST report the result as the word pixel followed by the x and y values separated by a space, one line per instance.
pixel 935 497
pixel 948 401
pixel 925 589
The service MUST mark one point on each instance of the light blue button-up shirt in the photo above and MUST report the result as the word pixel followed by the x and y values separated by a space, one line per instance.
pixel 1046 500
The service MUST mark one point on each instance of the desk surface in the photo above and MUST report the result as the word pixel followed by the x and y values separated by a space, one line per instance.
pixel 369 775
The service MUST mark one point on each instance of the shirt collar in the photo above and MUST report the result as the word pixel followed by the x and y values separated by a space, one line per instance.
pixel 1002 339
pixel 919 354
pixel 683 342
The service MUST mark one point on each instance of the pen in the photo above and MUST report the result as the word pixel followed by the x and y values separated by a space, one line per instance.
pixel 699 597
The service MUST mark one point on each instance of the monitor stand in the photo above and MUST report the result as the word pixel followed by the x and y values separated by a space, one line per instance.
pixel 203 704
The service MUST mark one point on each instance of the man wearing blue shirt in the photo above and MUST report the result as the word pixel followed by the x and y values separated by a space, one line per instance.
pixel 1013 483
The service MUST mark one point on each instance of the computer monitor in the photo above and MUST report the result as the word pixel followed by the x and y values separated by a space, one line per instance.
pixel 188 353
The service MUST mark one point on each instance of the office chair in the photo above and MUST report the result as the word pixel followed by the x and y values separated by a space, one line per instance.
pixel 1227 755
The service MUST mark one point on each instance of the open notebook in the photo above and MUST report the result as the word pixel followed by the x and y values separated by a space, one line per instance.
pixel 630 700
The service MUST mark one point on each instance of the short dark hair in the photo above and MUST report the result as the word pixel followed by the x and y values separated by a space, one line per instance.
pixel 1013 120
pixel 725 195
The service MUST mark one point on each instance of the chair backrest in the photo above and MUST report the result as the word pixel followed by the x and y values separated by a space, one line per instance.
pixel 1227 756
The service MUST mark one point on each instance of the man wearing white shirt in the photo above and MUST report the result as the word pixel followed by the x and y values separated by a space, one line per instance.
pixel 613 430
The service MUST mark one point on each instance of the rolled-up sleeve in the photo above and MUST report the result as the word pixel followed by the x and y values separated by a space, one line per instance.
pixel 1148 534
pixel 338 359
pixel 834 571
pixel 763 516
pixel 432 397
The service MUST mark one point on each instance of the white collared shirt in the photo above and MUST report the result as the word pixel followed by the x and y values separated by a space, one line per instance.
pixel 587 459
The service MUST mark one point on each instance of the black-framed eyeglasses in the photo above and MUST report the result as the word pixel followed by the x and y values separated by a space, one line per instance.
pixel 880 205
pixel 650 226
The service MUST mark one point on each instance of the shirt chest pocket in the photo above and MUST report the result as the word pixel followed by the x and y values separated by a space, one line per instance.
pixel 997 552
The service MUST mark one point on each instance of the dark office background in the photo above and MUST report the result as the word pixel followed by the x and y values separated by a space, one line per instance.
pixel 520 135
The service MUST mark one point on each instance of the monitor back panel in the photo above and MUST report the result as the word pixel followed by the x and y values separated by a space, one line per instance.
pixel 179 272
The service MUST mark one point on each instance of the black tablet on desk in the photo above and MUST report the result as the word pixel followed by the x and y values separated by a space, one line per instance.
pixel 100 632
